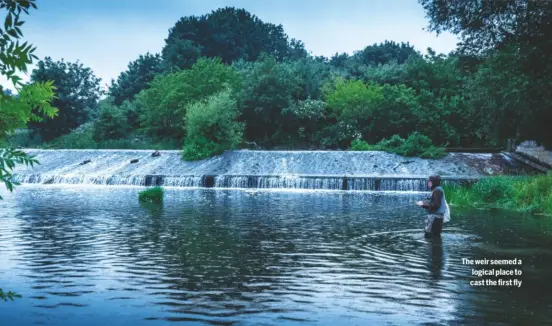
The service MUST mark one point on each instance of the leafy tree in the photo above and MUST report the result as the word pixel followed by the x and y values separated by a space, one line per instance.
pixel 268 88
pixel 303 120
pixel 386 52
pixel 112 122
pixel 310 76
pixel 390 73
pixel 394 114
pixel 339 60
pixel 351 104
pixel 138 75
pixel 501 92
pixel 230 34
pixel 489 25
pixel 77 93
pixel 163 105
pixel 212 126
pixel 181 53
pixel 509 26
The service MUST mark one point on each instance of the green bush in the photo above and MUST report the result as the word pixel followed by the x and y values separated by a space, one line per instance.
pixel 152 195
pixel 163 105
pixel 361 145
pixel 416 145
pixel 395 142
pixel 111 124
pixel 80 138
pixel 212 127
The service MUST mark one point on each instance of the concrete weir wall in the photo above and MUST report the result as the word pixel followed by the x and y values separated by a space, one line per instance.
pixel 335 170
pixel 538 153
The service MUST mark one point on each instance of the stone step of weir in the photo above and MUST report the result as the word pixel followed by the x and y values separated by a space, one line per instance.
pixel 326 182
pixel 529 161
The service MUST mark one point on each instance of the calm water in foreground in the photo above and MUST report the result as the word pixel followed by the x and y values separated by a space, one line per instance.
pixel 93 256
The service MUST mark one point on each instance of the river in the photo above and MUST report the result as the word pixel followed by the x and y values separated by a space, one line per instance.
pixel 92 255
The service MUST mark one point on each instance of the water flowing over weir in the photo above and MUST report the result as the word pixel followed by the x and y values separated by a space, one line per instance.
pixel 331 170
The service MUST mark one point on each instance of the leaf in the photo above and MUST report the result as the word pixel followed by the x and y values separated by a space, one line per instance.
pixel 8 21
pixel 13 33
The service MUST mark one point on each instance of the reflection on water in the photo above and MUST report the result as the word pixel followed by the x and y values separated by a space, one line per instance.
pixel 85 256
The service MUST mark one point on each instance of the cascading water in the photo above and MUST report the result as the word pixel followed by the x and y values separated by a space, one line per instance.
pixel 332 170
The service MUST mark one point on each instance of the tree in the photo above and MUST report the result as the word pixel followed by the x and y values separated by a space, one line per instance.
pixel 268 88
pixel 163 105
pixel 506 26
pixel 350 107
pixel 303 120
pixel 386 52
pixel 488 25
pixel 212 126
pixel 77 93
pixel 394 114
pixel 111 123
pixel 230 34
pixel 500 90
pixel 138 75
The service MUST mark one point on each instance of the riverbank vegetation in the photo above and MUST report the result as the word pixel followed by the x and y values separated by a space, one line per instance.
pixel 279 96
pixel 416 145
pixel 526 194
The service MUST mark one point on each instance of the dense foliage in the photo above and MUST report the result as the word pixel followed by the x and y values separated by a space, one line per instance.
pixel 416 145
pixel 136 78
pixel 513 39
pixel 77 94
pixel 230 34
pixel 212 126
pixel 494 87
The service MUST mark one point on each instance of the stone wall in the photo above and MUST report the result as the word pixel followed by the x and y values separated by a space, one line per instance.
pixel 539 153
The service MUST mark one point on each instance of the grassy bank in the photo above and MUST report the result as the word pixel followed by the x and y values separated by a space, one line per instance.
pixel 525 194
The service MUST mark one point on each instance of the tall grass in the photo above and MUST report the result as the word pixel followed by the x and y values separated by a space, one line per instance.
pixel 525 194
pixel 152 195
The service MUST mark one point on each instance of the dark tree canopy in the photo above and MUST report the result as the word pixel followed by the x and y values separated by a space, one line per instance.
pixel 77 94
pixel 486 24
pixel 138 75
pixel 230 34
pixel 521 32
pixel 386 52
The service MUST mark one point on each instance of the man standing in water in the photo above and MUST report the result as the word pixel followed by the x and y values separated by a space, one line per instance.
pixel 435 206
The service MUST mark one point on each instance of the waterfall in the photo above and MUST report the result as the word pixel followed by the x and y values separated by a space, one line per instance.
pixel 330 170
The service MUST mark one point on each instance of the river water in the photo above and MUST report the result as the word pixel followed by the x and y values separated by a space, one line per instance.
pixel 95 255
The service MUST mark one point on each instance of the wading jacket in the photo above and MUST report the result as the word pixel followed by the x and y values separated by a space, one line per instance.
pixel 434 204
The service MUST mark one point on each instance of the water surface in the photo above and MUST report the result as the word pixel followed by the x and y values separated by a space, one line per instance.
pixel 87 256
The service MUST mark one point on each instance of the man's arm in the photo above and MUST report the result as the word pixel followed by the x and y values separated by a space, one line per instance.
pixel 435 201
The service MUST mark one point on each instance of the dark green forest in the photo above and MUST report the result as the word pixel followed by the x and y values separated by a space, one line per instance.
pixel 228 80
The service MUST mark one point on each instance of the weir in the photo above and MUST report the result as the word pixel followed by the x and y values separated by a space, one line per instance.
pixel 329 170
